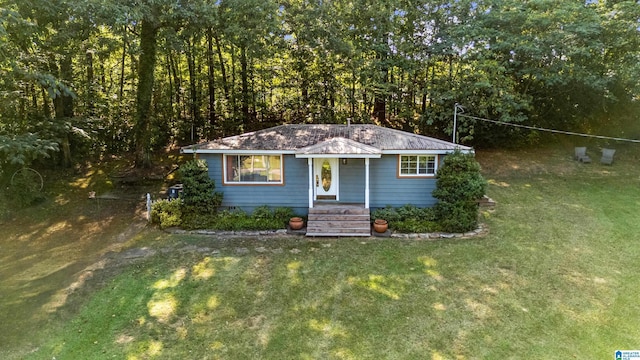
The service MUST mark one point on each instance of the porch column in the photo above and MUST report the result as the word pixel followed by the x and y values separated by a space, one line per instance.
pixel 310 162
pixel 366 183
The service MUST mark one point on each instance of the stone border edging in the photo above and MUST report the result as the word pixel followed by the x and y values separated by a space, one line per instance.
pixel 480 231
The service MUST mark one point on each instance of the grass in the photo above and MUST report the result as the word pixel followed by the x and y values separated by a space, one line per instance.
pixel 555 278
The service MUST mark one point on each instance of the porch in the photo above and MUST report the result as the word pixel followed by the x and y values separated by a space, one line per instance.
pixel 338 219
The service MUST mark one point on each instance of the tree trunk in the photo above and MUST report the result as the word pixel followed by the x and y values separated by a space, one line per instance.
pixel 90 80
pixel 223 71
pixel 63 106
pixel 122 65
pixel 379 101
pixel 142 129
pixel 194 108
pixel 244 78
pixel 211 83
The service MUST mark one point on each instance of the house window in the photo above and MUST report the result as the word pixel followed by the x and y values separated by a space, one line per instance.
pixel 254 169
pixel 417 165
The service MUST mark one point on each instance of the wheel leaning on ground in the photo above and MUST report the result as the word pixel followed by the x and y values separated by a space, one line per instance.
pixel 28 178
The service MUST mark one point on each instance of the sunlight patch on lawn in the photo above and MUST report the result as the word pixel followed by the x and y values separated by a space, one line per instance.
pixel 208 267
pixel 213 302
pixel 439 307
pixel 390 287
pixel 480 310
pixel 162 306
pixel 204 269
pixel 429 263
pixel 172 281
pixel 148 349
pixel 498 183
pixel 293 273
pixel 124 339
pixel 328 328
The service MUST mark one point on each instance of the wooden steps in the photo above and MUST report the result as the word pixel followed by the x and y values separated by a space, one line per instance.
pixel 339 220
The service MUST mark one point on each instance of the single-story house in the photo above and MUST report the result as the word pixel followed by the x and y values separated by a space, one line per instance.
pixel 310 166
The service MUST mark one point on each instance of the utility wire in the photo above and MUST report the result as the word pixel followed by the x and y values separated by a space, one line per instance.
pixel 549 130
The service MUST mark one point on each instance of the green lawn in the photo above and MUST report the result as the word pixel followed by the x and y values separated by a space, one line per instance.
pixel 556 277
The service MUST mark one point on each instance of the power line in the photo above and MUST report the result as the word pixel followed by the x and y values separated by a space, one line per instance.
pixel 550 130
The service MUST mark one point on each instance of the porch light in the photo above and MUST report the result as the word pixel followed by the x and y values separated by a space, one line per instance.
pixel 343 161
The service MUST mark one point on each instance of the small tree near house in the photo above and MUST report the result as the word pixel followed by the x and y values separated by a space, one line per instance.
pixel 458 188
pixel 198 189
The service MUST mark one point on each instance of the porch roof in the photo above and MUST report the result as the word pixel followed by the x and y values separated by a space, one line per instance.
pixel 339 146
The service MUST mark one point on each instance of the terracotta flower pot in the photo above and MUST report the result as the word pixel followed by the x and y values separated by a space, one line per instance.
pixel 296 223
pixel 380 225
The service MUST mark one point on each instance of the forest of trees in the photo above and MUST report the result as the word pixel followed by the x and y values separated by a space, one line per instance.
pixel 81 78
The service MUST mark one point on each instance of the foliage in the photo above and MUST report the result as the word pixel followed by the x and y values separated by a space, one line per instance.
pixel 182 71
pixel 459 185
pixel 408 218
pixel 24 149
pixel 167 213
pixel 262 218
pixel 198 195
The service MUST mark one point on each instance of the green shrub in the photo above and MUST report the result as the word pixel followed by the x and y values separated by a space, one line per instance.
pixel 198 192
pixel 408 218
pixel 262 218
pixel 167 213
pixel 459 186
pixel 457 217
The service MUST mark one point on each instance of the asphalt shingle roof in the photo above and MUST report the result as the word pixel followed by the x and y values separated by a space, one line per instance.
pixel 297 136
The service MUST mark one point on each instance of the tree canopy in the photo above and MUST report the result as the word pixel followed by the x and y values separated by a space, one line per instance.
pixel 88 76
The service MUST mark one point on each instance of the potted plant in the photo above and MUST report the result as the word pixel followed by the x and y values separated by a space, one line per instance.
pixel 296 223
pixel 380 225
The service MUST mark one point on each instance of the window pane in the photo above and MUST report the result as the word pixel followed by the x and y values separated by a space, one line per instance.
pixel 275 168
pixel 417 165
pixel 233 171
pixel 254 168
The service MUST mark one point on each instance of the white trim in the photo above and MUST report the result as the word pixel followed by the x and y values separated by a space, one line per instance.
pixel 423 152
pixel 306 156
pixel 310 166
pixel 435 166
pixel 366 183
pixel 335 174
pixel 236 152
pixel 225 180
pixel 341 156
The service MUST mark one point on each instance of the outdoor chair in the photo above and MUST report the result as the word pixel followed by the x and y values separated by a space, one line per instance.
pixel 581 155
pixel 607 156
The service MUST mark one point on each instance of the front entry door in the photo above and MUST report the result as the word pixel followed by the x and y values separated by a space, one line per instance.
pixel 326 178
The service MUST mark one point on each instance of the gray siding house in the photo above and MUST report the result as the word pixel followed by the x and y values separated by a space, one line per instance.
pixel 307 166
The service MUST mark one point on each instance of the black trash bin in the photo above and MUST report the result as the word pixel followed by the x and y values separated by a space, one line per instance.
pixel 174 191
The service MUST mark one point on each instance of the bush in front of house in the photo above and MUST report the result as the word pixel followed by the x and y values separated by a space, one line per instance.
pixel 408 218
pixel 167 213
pixel 459 186
pixel 198 189
pixel 262 218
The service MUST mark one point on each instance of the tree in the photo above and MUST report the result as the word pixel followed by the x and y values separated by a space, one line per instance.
pixel 458 188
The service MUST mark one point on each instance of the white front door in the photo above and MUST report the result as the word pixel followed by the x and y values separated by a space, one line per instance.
pixel 325 177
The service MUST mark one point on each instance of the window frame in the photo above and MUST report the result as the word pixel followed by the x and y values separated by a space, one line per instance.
pixel 226 167
pixel 417 160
